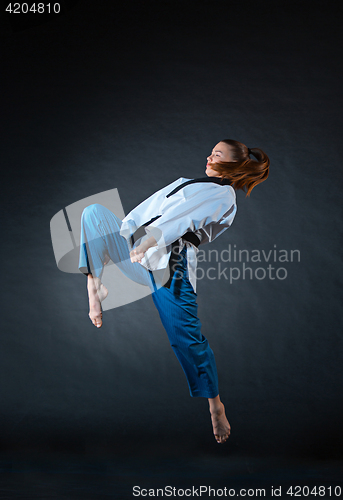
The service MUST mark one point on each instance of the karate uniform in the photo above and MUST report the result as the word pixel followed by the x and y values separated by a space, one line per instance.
pixel 202 208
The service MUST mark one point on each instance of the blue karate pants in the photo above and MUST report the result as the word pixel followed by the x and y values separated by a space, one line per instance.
pixel 176 305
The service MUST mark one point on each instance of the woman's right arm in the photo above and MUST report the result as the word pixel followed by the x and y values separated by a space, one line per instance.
pixel 209 204
pixel 146 210
pixel 137 254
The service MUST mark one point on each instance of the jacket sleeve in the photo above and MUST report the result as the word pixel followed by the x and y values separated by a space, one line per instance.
pixel 146 210
pixel 193 209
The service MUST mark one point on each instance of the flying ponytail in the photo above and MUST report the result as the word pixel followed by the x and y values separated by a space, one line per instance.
pixel 244 172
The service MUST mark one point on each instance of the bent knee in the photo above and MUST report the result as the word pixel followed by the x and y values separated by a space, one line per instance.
pixel 92 210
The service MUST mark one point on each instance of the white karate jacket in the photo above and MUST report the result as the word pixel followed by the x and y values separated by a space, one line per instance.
pixel 205 208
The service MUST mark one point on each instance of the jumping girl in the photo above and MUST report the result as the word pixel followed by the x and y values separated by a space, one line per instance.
pixel 164 233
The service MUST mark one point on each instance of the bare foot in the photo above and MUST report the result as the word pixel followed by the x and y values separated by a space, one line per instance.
pixel 221 426
pixel 97 292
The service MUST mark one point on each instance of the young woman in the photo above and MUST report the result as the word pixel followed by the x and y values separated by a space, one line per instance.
pixel 164 232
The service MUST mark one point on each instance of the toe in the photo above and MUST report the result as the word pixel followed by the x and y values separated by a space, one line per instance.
pixel 217 438
pixel 221 439
pixel 97 321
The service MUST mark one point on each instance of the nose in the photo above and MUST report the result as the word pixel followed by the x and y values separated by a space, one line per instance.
pixel 209 158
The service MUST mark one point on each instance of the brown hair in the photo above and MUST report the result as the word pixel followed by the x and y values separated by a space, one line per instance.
pixel 244 173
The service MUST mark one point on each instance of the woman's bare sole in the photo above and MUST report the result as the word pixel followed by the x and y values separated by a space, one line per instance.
pixel 97 292
pixel 220 424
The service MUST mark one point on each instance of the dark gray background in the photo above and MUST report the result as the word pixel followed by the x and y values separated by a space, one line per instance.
pixel 132 97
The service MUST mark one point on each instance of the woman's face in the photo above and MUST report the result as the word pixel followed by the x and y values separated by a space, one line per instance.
pixel 221 152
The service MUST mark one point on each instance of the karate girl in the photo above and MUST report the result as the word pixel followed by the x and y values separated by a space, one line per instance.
pixel 164 233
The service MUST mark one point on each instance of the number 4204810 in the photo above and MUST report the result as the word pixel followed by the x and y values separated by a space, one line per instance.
pixel 305 491
pixel 34 8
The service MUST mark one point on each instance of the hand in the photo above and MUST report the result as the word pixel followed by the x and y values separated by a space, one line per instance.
pixel 137 254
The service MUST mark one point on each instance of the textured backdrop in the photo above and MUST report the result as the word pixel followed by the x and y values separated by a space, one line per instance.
pixel 133 97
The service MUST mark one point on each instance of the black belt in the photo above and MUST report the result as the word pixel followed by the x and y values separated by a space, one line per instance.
pixel 189 236
pixel 174 259
pixel 140 232
pixel 192 238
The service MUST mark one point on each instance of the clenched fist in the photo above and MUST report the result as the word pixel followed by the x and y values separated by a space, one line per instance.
pixel 137 254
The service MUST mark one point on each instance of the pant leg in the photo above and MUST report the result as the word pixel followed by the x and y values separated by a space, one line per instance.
pixel 177 305
pixel 100 236
pixel 178 312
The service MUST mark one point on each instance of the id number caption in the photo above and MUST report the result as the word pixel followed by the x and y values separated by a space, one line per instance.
pixel 33 8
